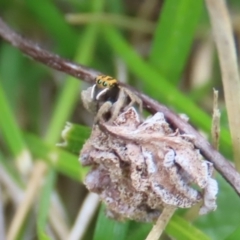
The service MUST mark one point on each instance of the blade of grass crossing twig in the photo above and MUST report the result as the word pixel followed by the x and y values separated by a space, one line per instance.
pixel 173 37
pixel 109 229
pixel 158 87
pixel 45 204
pixel 71 88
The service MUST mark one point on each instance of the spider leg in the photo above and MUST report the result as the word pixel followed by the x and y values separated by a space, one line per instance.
pixel 106 107
pixel 118 105
pixel 133 99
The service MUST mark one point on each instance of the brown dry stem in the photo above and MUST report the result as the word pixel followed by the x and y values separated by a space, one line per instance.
pixel 215 121
pixel 88 75
pixel 30 195
pixel 13 191
pixel 81 224
pixel 161 223
pixel 57 221
pixel 223 35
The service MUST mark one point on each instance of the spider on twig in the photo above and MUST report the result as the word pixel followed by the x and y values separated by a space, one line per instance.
pixel 110 99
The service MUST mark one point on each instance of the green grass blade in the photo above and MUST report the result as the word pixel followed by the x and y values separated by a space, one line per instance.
pixel 55 157
pixel 10 128
pixel 139 231
pixel 45 204
pixel 46 12
pixel 74 137
pixel 235 235
pixel 43 236
pixel 174 36
pixel 109 229
pixel 158 87
pixel 10 74
pixel 180 229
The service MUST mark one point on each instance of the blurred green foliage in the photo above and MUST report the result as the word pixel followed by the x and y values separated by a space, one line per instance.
pixel 35 101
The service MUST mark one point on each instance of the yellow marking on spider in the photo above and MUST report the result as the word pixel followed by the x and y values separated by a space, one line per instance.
pixel 104 81
pixel 112 98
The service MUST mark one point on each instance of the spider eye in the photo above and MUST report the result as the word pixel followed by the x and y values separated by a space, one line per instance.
pixel 99 81
pixel 105 84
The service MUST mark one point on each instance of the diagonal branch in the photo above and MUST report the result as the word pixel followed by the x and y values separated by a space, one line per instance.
pixel 47 58
pixel 88 75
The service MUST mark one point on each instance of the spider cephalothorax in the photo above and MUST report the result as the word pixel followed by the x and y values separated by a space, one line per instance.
pixel 111 98
pixel 103 84
pixel 106 88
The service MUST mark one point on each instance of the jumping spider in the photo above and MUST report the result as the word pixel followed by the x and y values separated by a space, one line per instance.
pixel 111 98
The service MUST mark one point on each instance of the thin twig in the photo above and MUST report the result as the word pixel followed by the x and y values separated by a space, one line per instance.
pixel 88 209
pixel 215 121
pixel 223 34
pixel 88 75
pixel 17 196
pixel 58 222
pixel 40 55
pixel 161 223
pixel 32 190
pixel 14 191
